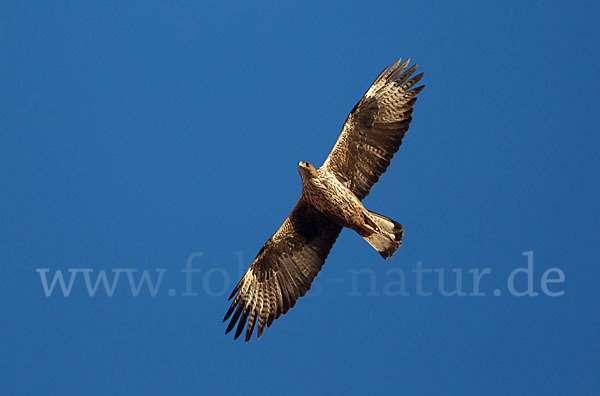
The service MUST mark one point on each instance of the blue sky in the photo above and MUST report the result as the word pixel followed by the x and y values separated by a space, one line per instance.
pixel 148 134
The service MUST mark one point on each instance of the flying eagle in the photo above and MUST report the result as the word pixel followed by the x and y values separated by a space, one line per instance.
pixel 285 267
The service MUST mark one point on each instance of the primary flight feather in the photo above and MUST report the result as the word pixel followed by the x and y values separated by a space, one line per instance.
pixel 286 265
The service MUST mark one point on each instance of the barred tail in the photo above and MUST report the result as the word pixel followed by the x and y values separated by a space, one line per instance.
pixel 389 237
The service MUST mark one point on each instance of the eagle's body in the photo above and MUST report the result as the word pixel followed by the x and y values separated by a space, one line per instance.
pixel 329 196
pixel 331 199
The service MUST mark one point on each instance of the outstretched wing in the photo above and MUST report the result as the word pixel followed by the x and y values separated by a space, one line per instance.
pixel 283 270
pixel 374 130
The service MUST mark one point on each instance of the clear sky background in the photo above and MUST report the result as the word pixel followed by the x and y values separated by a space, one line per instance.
pixel 136 135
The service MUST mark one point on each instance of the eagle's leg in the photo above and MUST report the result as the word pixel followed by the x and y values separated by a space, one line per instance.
pixel 384 234
pixel 370 225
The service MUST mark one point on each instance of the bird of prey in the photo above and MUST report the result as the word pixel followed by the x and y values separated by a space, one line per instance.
pixel 285 267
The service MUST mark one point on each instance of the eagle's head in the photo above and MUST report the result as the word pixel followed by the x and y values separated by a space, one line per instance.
pixel 306 170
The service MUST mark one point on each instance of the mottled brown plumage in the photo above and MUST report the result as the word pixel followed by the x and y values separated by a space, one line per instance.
pixel 331 199
pixel 374 130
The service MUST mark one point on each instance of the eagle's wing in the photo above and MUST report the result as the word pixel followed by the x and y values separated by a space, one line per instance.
pixel 283 270
pixel 374 129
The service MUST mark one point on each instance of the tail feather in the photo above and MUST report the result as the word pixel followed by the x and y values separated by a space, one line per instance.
pixel 389 237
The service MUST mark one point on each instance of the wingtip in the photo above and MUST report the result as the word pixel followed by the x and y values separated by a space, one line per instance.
pixel 228 313
pixel 233 293
pixel 418 89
